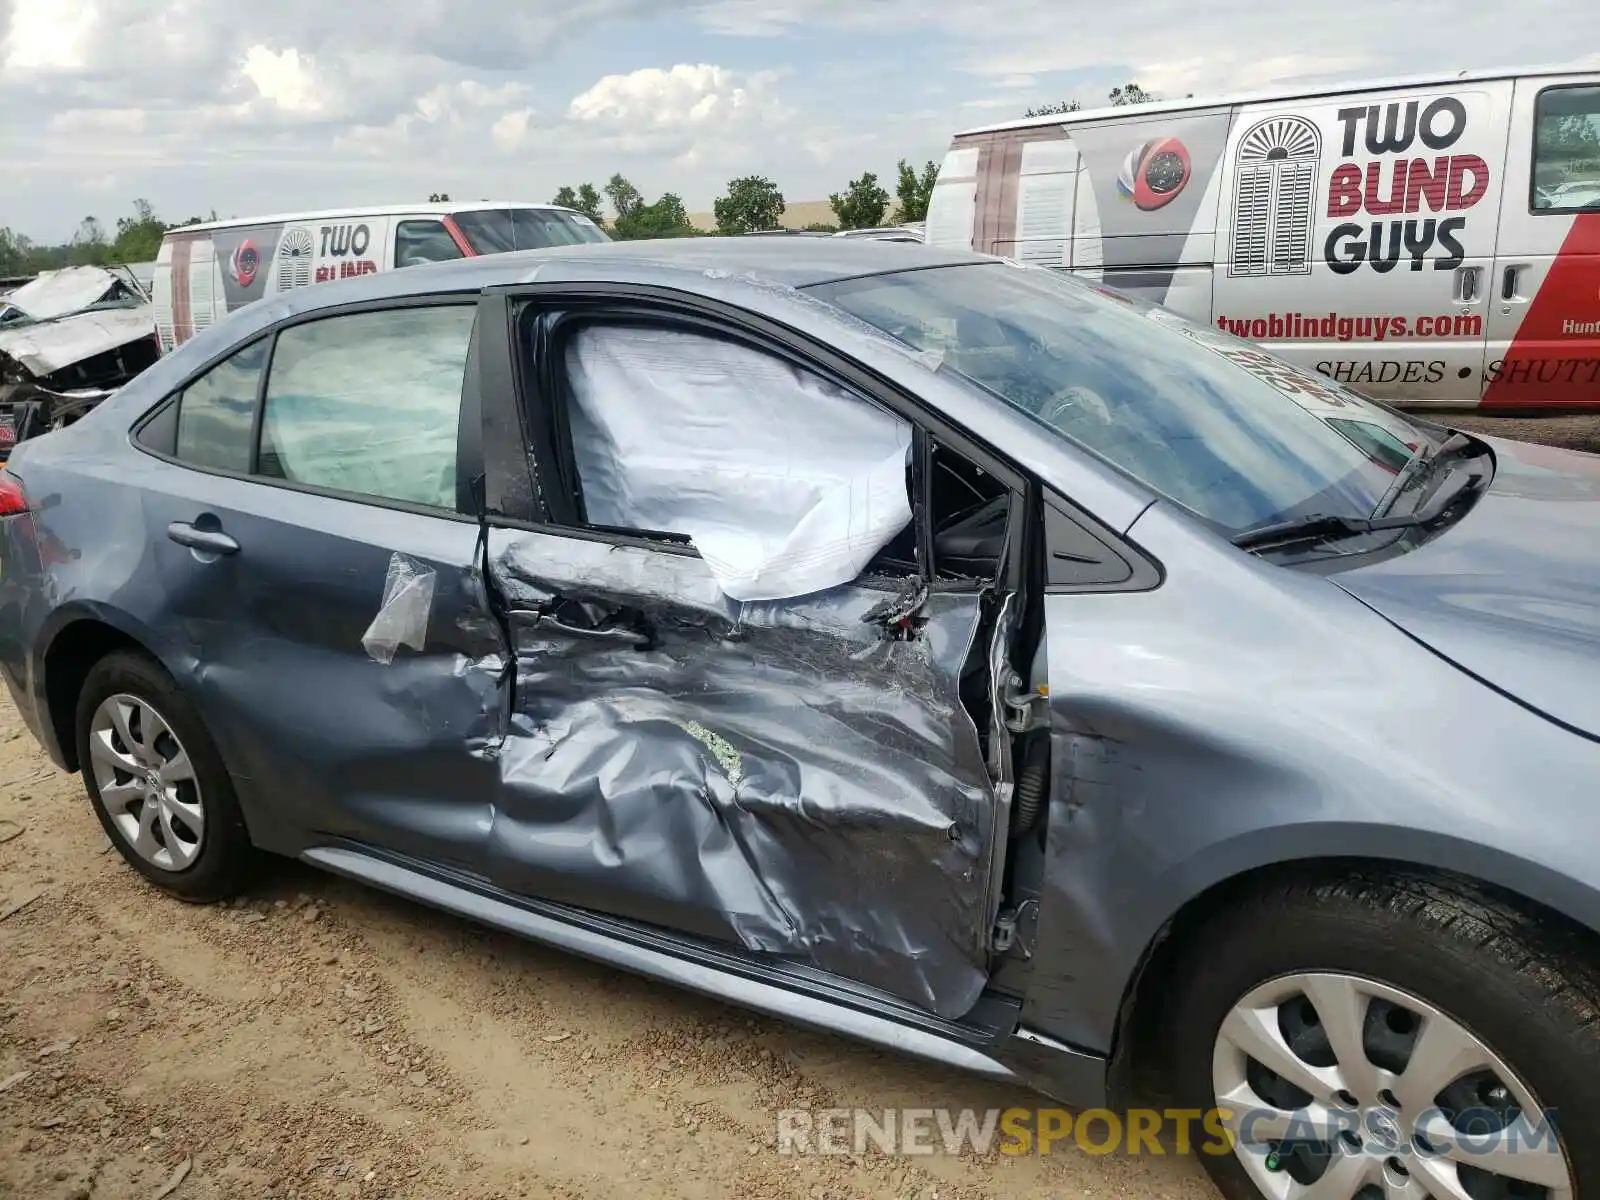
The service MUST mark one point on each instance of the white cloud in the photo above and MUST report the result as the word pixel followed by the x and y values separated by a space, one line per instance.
pixel 47 35
pixel 459 112
pixel 511 129
pixel 284 79
pixel 684 95
pixel 694 115
pixel 117 121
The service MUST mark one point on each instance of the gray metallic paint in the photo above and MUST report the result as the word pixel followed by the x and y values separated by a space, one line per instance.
pixel 1240 715
pixel 857 768
pixel 1511 592
pixel 1244 715
pixel 879 1019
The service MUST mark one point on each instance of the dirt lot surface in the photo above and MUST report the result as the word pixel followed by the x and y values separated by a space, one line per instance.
pixel 326 1040
pixel 1580 432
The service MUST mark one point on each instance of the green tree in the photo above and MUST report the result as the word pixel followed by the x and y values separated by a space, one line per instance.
pixel 589 202
pixel 913 191
pixel 1052 108
pixel 862 205
pixel 1130 93
pixel 625 198
pixel 666 218
pixel 15 252
pixel 139 236
pixel 753 204
pixel 88 246
pixel 821 227
pixel 585 200
pixel 1119 97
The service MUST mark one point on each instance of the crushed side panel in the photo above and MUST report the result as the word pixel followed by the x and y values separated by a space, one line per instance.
pixel 783 775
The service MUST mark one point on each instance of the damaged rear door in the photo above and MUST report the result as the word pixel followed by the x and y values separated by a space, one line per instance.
pixel 753 603
pixel 309 511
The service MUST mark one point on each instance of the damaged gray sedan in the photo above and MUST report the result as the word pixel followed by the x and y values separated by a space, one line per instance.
pixel 915 645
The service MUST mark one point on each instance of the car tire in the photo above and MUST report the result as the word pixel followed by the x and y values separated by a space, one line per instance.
pixel 154 777
pixel 1404 956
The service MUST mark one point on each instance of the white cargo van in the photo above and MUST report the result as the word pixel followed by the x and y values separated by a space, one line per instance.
pixel 204 272
pixel 1432 241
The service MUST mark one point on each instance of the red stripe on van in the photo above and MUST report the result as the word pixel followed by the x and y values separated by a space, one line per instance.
pixel 458 237
pixel 1555 357
pixel 182 314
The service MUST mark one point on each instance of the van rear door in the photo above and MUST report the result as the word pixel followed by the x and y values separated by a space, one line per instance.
pixel 1357 235
pixel 953 205
pixel 184 288
pixel 1544 319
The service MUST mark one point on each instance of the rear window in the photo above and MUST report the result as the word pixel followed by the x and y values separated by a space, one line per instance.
pixel 498 230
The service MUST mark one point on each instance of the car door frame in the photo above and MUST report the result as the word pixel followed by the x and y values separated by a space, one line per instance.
pixel 514 498
pixel 154 434
pixel 510 491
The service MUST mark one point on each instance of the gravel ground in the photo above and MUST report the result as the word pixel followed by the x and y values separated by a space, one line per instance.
pixel 1579 432
pixel 324 1040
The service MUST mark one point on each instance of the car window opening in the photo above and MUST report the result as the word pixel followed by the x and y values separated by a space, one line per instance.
pixel 785 482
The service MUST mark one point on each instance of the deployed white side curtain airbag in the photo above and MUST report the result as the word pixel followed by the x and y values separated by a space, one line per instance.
pixel 784 483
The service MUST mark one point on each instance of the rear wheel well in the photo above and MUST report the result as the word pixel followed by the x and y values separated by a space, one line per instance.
pixel 67 663
pixel 1137 1073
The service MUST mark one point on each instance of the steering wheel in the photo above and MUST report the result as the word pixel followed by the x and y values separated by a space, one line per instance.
pixel 1072 402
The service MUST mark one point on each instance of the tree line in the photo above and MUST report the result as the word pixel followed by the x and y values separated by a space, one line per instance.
pixel 750 204
pixel 134 239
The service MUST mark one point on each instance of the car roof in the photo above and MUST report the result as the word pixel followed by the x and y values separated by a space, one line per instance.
pixel 1281 94
pixel 430 208
pixel 677 262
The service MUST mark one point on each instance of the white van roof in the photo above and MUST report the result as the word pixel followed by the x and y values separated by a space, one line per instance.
pixel 373 210
pixel 1276 94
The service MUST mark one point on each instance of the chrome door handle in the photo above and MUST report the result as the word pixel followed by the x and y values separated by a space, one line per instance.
pixel 212 541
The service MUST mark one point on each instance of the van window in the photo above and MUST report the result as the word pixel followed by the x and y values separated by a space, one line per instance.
pixel 369 403
pixel 1566 150
pixel 216 412
pixel 497 230
pixel 418 242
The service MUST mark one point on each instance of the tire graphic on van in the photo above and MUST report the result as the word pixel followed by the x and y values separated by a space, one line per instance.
pixel 294 259
pixel 1153 174
pixel 1275 183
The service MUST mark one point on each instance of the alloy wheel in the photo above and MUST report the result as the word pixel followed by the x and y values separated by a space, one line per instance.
pixel 1336 1087
pixel 146 782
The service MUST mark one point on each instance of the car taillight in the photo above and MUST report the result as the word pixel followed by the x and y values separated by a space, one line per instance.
pixel 12 498
pixel 8 434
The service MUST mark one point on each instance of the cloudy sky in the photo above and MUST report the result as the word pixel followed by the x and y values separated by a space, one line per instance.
pixel 252 106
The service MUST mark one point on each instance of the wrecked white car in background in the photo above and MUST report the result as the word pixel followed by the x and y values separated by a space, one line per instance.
pixel 68 339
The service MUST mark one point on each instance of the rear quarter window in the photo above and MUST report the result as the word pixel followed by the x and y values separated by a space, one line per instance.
pixel 369 403
pixel 216 412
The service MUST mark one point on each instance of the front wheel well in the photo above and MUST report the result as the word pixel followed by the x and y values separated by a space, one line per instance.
pixel 67 663
pixel 1137 1073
